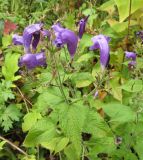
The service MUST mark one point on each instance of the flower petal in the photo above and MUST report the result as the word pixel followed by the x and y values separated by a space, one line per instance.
pixel 130 55
pixel 101 42
pixel 33 60
pixel 65 36
pixel 36 40
pixel 28 34
pixel 82 24
pixel 17 40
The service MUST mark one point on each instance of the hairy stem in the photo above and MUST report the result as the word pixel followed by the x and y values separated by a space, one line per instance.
pixel 24 99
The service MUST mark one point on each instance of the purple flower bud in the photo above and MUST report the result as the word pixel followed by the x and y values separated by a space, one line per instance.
pixel 130 55
pixel 65 36
pixel 17 40
pixel 33 60
pixel 101 42
pixel 32 31
pixel 82 24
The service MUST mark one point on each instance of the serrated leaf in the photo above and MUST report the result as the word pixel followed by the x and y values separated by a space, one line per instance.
pixel 49 98
pixel 32 118
pixel 100 129
pixel 11 67
pixel 9 115
pixel 119 112
pixel 72 124
pixel 5 91
pixel 56 144
pixel 43 131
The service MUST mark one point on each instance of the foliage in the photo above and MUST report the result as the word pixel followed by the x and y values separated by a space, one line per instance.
pixel 72 110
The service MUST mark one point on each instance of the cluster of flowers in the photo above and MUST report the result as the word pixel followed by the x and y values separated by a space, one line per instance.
pixel 31 37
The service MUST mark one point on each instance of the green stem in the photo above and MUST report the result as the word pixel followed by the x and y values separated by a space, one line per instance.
pixel 127 39
pixel 60 82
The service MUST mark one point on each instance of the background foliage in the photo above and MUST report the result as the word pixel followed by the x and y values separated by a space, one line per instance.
pixel 52 113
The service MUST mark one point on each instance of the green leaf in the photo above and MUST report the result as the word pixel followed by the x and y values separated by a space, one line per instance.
pixel 82 79
pixel 31 157
pixel 2 144
pixel 96 70
pixel 133 85
pixel 61 144
pixel 48 99
pixel 105 144
pixel 32 118
pixel 69 21
pixel 10 67
pixel 115 88
pixel 122 26
pixel 6 41
pixel 42 132
pixel 85 57
pixel 56 144
pixel 119 113
pixel 108 6
pixel 123 7
pixel 9 115
pixel 100 129
pixel 85 42
pixel 5 91
pixel 71 153
pixel 72 123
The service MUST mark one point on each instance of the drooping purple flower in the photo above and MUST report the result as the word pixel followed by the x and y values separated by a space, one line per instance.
pixel 17 40
pixel 65 36
pixel 82 24
pixel 101 42
pixel 33 60
pixel 132 56
pixel 31 35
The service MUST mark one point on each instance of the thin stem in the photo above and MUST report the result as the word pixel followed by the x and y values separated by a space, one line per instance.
pixel 24 99
pixel 14 146
pixel 60 82
pixel 127 38
pixel 60 156
pixel 38 156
